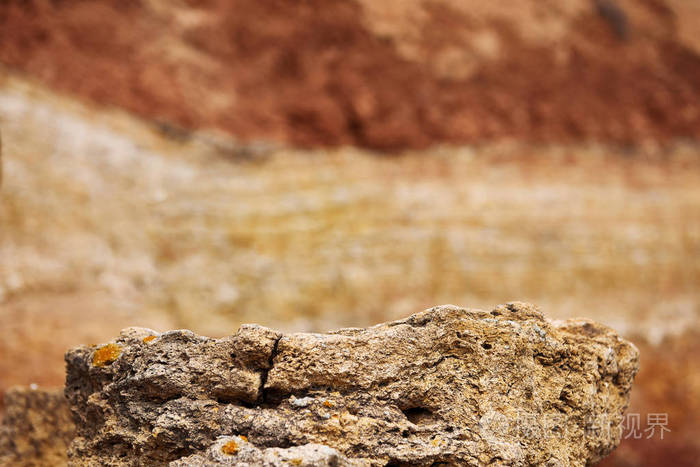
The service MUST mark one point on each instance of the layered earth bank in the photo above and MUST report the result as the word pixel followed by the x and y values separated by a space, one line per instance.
pixel 384 74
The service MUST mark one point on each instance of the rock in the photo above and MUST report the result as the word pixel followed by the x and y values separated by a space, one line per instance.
pixel 236 450
pixel 36 427
pixel 447 385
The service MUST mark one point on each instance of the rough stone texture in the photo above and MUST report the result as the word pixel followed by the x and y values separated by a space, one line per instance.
pixel 36 428
pixel 447 385
pixel 236 450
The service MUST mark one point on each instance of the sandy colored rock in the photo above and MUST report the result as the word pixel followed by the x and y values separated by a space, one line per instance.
pixel 236 450
pixel 36 428
pixel 447 385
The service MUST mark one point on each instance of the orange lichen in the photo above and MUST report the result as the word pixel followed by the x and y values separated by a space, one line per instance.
pixel 106 354
pixel 328 404
pixel 148 339
pixel 244 438
pixel 230 448
pixel 437 442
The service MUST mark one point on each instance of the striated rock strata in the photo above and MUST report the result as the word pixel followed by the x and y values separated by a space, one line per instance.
pixel 447 385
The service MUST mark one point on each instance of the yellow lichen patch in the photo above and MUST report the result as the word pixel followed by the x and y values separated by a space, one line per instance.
pixel 296 461
pixel 244 438
pixel 106 354
pixel 230 448
pixel 437 442
pixel 148 339
pixel 328 404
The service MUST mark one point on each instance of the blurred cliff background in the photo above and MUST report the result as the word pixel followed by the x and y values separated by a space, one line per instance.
pixel 316 164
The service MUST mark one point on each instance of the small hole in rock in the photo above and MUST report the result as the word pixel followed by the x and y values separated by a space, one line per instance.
pixel 486 345
pixel 418 415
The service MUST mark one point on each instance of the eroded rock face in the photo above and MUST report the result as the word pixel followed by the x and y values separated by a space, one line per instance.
pixel 36 428
pixel 236 450
pixel 447 385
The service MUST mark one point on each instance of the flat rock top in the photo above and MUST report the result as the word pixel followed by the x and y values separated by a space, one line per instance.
pixel 450 385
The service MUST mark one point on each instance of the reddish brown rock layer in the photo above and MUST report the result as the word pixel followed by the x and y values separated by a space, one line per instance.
pixel 372 74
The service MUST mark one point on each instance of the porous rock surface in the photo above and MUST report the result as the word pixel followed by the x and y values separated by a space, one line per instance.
pixel 236 450
pixel 447 385
pixel 36 427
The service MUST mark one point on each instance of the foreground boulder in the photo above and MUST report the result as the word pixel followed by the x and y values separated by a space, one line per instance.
pixel 447 385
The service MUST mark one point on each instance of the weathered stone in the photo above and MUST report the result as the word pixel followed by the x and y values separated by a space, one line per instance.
pixel 236 450
pixel 447 385
pixel 36 428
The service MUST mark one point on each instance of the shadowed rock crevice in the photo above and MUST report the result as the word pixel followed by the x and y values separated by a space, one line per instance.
pixel 421 391
pixel 265 372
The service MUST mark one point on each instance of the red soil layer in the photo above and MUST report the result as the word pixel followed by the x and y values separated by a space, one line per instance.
pixel 314 73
